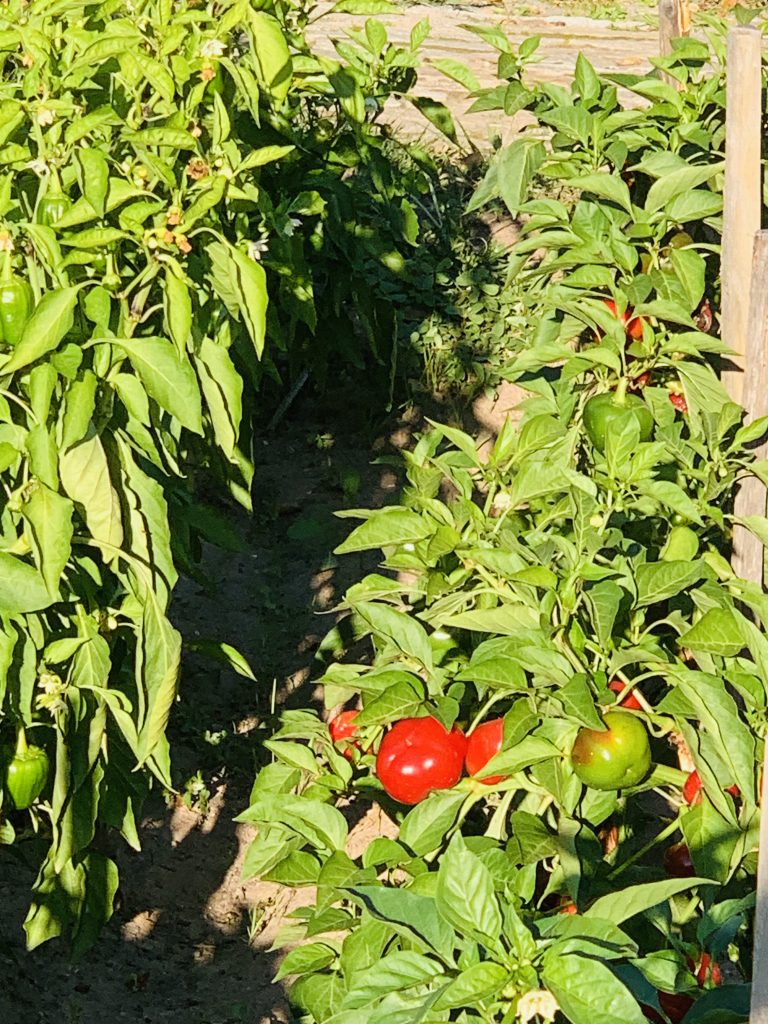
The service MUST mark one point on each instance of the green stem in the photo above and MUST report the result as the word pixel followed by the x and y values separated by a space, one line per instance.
pixel 620 394
pixel 664 834
pixel 7 271
pixel 668 776
pixel 21 742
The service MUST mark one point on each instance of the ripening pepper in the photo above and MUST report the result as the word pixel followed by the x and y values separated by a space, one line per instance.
pixel 52 208
pixel 26 773
pixel 16 302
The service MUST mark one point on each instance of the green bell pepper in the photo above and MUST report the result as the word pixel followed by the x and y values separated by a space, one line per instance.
pixel 26 773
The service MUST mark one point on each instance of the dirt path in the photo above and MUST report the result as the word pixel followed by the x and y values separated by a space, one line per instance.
pixel 611 46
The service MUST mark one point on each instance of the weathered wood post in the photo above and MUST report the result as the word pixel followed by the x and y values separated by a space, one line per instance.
pixel 674 22
pixel 744 328
pixel 743 198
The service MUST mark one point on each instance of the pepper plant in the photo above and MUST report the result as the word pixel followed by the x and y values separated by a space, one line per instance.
pixel 142 237
pixel 545 571
pixel 567 598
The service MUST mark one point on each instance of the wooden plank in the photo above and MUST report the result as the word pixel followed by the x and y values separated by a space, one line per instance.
pixel 674 22
pixel 748 562
pixel 743 198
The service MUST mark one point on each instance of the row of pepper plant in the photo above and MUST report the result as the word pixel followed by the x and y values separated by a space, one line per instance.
pixel 165 170
pixel 555 689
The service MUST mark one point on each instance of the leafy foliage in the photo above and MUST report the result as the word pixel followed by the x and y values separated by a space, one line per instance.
pixel 180 194
pixel 552 566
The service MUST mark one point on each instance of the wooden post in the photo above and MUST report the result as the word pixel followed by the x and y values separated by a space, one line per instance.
pixel 743 198
pixel 674 22
pixel 748 553
pixel 748 562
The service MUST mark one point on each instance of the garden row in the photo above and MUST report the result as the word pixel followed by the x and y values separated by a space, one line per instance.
pixel 556 687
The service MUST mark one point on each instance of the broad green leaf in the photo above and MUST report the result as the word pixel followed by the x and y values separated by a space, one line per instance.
pixel 147 530
pixel 718 631
pixel 516 166
pixel 50 518
pixel 589 992
pixel 402 630
pixel 623 904
pixel 223 392
pixel 273 58
pixel 306 960
pixel 465 894
pixel 168 378
pixel 320 824
pixel 425 826
pixel 658 581
pixel 408 913
pixel 605 600
pixel 529 751
pixel 477 983
pixel 158 660
pixel 607 186
pixel 386 528
pixel 22 587
pixel 396 972
pixel 241 284
pixel 51 320
pixel 86 479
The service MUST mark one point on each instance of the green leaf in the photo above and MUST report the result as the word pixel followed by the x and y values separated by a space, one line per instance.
pixel 178 308
pixel 241 284
pixel 437 114
pixel 402 630
pixel 223 391
pixel 623 904
pixel 158 660
pixel 85 477
pixel 606 186
pixel 50 518
pixel 396 972
pixel 679 182
pixel 658 581
pixel 147 530
pixel 318 823
pixel 517 165
pixel 51 320
pixel 408 913
pixel 718 631
pixel 465 894
pixel 425 826
pixel 22 587
pixel 387 527
pixel 578 702
pixel 479 982
pixel 306 960
pixel 529 751
pixel 605 600
pixel 167 376
pixel 93 177
pixel 589 992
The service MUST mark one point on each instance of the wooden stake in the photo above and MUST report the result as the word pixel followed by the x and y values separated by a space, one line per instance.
pixel 743 198
pixel 751 499
pixel 748 562
pixel 674 22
